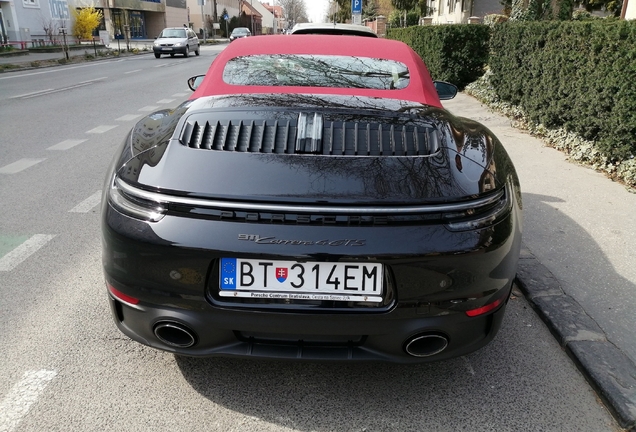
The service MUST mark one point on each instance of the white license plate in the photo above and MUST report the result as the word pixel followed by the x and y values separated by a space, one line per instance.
pixel 166 49
pixel 301 281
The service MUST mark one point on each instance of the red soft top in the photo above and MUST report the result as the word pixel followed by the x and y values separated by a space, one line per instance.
pixel 420 88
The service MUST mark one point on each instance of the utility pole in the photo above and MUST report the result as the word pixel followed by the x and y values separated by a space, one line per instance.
pixel 252 17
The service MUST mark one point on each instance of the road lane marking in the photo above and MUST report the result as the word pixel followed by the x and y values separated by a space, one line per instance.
pixel 61 89
pixel 65 145
pixel 127 117
pixel 20 165
pixel 149 108
pixel 165 101
pixel 132 71
pixel 180 94
pixel 101 129
pixel 22 395
pixel 14 258
pixel 88 204
pixel 30 94
pixel 55 69
pixel 169 64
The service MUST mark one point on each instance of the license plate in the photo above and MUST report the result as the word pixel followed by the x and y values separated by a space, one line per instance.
pixel 166 49
pixel 249 278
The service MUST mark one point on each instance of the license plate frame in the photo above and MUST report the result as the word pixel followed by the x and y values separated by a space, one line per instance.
pixel 294 280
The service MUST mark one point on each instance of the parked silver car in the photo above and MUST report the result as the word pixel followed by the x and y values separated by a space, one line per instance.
pixel 176 40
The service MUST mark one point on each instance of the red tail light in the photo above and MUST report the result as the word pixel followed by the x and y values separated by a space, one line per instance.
pixel 484 309
pixel 121 296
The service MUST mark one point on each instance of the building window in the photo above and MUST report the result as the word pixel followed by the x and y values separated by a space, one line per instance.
pixel 451 6
pixel 33 4
pixel 441 7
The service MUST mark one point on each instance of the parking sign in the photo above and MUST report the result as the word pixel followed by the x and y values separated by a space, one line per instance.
pixel 356 6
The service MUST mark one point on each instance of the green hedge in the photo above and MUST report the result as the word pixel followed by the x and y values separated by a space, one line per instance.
pixel 576 75
pixel 453 53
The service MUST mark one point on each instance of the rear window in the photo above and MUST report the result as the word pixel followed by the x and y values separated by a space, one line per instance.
pixel 317 71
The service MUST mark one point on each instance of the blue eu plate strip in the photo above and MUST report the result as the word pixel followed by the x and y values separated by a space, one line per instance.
pixel 228 273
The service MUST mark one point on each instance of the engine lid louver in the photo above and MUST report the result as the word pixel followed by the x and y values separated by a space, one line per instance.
pixel 310 133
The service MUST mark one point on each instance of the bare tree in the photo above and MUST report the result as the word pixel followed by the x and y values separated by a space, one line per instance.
pixel 295 11
pixel 50 29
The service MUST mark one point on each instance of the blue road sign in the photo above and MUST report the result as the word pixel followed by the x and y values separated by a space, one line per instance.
pixel 356 6
pixel 225 17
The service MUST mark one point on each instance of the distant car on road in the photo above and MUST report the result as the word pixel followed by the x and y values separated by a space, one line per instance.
pixel 240 32
pixel 332 29
pixel 312 200
pixel 176 40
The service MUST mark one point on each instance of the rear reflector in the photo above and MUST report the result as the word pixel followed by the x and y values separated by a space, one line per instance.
pixel 484 309
pixel 121 296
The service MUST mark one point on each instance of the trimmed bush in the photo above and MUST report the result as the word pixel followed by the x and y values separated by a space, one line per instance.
pixel 453 53
pixel 577 75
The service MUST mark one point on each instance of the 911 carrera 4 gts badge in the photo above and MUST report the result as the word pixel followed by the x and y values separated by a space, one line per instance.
pixel 326 242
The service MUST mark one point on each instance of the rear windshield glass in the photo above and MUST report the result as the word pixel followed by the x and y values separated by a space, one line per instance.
pixel 173 33
pixel 316 71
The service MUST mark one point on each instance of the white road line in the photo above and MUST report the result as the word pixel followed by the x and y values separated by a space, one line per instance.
pixel 22 252
pixel 127 117
pixel 180 94
pixel 165 101
pixel 58 90
pixel 30 94
pixel 20 165
pixel 93 80
pixel 53 70
pixel 101 129
pixel 133 71
pixel 25 393
pixel 65 145
pixel 88 204
pixel 149 108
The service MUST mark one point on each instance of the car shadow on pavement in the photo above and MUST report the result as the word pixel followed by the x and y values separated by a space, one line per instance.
pixel 581 268
pixel 520 381
pixel 575 285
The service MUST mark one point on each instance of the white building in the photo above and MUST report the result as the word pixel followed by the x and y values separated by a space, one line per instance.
pixel 460 11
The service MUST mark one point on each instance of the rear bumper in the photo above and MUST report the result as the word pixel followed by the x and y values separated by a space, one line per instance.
pixel 232 333
pixel 174 50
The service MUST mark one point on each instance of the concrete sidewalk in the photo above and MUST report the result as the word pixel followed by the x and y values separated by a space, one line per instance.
pixel 578 266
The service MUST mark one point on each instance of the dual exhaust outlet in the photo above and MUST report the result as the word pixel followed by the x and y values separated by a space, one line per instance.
pixel 178 335
pixel 175 334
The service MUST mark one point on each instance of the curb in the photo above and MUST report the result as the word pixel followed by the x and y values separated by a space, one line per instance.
pixel 608 370
pixel 14 53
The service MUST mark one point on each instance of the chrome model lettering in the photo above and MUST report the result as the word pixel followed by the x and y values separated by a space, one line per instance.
pixel 256 238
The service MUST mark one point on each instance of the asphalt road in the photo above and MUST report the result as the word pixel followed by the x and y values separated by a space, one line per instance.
pixel 66 367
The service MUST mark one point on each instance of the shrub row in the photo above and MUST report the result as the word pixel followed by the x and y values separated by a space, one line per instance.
pixel 577 75
pixel 453 53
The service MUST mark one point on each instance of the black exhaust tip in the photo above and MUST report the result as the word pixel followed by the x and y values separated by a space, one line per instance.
pixel 426 344
pixel 175 334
